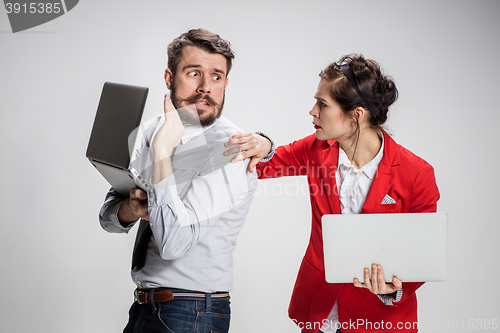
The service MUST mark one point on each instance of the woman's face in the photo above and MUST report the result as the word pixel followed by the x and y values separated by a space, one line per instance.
pixel 329 120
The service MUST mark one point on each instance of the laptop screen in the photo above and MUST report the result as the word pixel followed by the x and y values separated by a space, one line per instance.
pixel 118 114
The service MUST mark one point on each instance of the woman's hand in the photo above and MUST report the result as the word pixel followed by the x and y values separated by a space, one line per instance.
pixel 376 284
pixel 251 145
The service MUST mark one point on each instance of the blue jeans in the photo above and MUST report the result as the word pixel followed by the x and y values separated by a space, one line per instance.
pixel 186 315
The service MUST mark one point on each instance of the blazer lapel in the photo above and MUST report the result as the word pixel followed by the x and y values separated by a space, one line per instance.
pixel 384 178
pixel 328 167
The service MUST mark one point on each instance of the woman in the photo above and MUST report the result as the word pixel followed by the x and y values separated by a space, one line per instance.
pixel 353 165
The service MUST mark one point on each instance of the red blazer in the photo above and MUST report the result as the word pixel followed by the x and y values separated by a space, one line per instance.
pixel 403 176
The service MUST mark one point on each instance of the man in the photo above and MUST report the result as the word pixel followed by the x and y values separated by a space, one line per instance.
pixel 196 202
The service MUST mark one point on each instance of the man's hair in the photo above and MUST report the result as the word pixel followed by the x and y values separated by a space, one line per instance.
pixel 203 39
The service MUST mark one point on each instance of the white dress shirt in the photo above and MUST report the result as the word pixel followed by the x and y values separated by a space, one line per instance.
pixel 195 214
pixel 353 186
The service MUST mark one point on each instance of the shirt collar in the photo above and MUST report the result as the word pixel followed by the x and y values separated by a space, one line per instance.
pixel 193 131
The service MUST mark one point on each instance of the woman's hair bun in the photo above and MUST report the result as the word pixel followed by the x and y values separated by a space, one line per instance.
pixel 375 89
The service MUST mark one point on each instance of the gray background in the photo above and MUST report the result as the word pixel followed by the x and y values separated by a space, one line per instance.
pixel 60 272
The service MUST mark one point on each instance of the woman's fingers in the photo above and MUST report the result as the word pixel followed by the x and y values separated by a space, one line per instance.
pixel 375 282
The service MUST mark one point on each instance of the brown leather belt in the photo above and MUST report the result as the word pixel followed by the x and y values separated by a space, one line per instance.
pixel 160 296
pixel 166 295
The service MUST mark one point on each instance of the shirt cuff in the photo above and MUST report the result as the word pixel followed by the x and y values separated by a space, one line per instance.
pixel 391 298
pixel 163 194
pixel 271 152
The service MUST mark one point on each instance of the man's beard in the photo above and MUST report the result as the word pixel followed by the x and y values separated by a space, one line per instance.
pixel 187 116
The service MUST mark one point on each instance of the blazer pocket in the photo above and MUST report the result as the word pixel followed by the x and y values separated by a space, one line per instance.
pixel 390 208
pixel 305 285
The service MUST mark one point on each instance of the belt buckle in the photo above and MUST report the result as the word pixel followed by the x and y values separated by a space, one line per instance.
pixel 139 296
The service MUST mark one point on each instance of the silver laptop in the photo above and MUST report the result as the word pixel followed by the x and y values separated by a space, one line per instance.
pixel 412 247
pixel 115 126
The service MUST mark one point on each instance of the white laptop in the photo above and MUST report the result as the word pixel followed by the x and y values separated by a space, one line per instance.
pixel 412 246
pixel 115 128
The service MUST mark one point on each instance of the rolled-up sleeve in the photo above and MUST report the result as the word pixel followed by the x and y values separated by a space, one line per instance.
pixel 108 215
